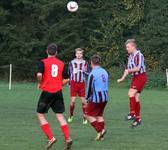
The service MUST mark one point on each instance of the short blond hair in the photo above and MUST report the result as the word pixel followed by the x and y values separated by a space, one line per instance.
pixel 131 41
pixel 79 50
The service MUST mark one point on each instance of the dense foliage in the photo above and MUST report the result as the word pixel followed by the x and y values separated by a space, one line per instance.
pixel 100 26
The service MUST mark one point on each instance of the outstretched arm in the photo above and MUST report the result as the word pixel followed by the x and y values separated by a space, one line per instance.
pixel 126 72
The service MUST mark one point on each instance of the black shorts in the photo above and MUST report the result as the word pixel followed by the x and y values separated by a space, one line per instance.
pixel 48 100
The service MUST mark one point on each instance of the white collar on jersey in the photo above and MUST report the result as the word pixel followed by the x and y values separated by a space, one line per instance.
pixel 77 60
pixel 137 51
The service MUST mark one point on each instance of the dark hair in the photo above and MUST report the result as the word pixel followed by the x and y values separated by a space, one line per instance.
pixel 52 49
pixel 96 59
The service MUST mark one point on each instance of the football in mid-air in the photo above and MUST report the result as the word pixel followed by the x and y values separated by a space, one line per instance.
pixel 72 6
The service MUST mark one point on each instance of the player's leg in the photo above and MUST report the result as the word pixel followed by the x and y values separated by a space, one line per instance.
pixel 137 111
pixel 81 93
pixel 94 123
pixel 83 101
pixel 71 108
pixel 73 94
pixel 58 107
pixel 138 107
pixel 100 119
pixel 132 103
pixel 65 130
pixel 43 106
pixel 45 126
pixel 139 83
pixel 91 116
pixel 101 122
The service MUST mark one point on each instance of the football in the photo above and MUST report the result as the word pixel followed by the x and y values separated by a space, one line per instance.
pixel 72 6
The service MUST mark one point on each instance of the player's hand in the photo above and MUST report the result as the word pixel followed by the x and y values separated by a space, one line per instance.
pixel 119 80
pixel 65 81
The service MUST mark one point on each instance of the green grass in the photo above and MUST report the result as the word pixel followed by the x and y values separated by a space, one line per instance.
pixel 19 129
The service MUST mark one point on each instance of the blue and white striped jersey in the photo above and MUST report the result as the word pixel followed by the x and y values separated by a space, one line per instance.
pixel 97 88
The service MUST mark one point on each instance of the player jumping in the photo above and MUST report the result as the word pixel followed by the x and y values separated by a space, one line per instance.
pixel 97 96
pixel 50 77
pixel 77 70
pixel 136 67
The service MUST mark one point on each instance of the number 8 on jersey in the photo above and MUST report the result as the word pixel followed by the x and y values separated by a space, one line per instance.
pixel 54 71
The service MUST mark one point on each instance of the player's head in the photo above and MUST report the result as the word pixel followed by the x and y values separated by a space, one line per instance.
pixel 95 61
pixel 52 49
pixel 131 45
pixel 79 53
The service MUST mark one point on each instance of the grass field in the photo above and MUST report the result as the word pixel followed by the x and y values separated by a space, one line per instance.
pixel 19 129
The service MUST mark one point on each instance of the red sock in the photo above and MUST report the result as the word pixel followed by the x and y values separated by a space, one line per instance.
pixel 46 129
pixel 101 125
pixel 137 111
pixel 65 130
pixel 72 107
pixel 96 126
pixel 132 106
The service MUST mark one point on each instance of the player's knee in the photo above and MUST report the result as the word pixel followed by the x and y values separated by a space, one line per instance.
pixel 72 102
pixel 137 98
pixel 83 100
pixel 40 116
pixel 61 119
pixel 131 93
pixel 100 119
pixel 86 116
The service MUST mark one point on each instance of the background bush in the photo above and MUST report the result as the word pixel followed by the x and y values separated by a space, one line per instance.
pixel 100 26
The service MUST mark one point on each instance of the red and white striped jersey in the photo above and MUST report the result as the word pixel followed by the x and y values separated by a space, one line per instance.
pixel 77 70
pixel 136 60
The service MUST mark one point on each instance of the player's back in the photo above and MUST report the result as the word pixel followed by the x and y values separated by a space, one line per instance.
pixel 52 76
pixel 100 79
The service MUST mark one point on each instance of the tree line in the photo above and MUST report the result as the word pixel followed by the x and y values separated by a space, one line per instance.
pixel 99 26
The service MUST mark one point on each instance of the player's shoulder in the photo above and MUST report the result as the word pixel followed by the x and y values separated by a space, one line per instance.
pixel 104 70
pixel 73 60
pixel 98 70
pixel 43 60
pixel 139 52
pixel 83 61
pixel 59 61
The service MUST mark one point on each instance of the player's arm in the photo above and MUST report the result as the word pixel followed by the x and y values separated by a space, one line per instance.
pixel 135 69
pixel 89 87
pixel 87 69
pixel 40 71
pixel 125 74
pixel 65 75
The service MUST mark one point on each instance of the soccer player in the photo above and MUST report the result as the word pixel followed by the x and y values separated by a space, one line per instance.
pixel 136 67
pixel 51 72
pixel 77 70
pixel 97 97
